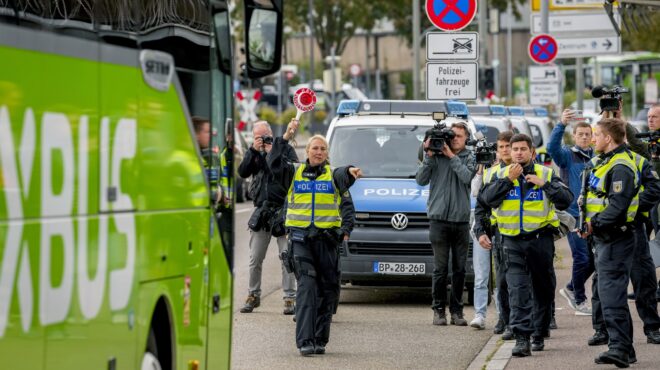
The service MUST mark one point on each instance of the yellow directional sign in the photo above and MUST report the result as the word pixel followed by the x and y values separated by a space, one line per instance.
pixel 568 5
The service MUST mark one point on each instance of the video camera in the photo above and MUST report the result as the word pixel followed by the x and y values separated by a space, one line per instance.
pixel 609 98
pixel 653 139
pixel 440 134
pixel 484 152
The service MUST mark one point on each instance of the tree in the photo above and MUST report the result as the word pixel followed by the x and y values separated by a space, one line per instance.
pixel 645 36
pixel 335 21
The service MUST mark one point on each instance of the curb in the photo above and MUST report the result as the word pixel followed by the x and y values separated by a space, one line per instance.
pixel 494 356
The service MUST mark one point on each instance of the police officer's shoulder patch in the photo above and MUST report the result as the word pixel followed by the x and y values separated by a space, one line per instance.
pixel 617 186
pixel 655 174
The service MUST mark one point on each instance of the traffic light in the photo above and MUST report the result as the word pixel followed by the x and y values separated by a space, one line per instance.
pixel 489 78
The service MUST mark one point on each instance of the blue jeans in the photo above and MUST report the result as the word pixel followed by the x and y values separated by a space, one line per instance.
pixel 582 267
pixel 481 262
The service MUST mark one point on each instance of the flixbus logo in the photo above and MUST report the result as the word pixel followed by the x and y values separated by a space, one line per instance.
pixel 60 233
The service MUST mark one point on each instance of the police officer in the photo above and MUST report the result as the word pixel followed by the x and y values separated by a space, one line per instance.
pixel 203 133
pixel 226 199
pixel 319 217
pixel 526 196
pixel 485 230
pixel 642 274
pixel 642 148
pixel 219 178
pixel 611 205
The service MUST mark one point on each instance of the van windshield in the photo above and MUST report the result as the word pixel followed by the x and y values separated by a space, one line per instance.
pixel 390 151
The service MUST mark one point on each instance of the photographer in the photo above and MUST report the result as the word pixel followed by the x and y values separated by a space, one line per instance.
pixel 267 219
pixel 449 172
pixel 571 161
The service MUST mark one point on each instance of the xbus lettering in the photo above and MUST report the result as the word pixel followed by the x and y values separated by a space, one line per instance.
pixel 60 155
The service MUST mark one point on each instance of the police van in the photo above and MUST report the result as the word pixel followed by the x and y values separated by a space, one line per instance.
pixel 490 120
pixel 541 126
pixel 517 117
pixel 390 243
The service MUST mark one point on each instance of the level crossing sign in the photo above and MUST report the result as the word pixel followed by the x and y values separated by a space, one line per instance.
pixel 247 107
pixel 451 15
pixel 543 49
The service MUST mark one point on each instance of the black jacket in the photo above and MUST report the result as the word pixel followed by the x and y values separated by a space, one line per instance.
pixel 493 193
pixel 482 219
pixel 618 199
pixel 284 171
pixel 651 194
pixel 254 164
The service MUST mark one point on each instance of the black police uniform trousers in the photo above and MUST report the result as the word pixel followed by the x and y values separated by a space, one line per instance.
pixel 529 276
pixel 613 257
pixel 500 278
pixel 316 266
pixel 642 275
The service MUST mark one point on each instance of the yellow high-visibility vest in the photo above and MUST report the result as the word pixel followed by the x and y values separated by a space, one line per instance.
pixel 224 177
pixel 526 212
pixel 596 196
pixel 490 175
pixel 313 202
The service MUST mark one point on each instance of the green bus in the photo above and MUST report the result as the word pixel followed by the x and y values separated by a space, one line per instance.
pixel 110 255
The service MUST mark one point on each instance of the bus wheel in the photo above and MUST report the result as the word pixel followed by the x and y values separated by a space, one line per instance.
pixel 150 358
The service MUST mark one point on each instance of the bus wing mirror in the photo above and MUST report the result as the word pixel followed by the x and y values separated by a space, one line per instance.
pixel 263 37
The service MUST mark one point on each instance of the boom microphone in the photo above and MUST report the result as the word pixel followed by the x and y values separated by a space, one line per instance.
pixel 599 91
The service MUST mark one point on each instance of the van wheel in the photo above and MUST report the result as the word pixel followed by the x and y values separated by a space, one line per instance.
pixel 150 358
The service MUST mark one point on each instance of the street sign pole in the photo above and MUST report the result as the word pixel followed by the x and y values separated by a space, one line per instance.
pixel 509 52
pixel 334 82
pixel 579 82
pixel 545 14
pixel 415 67
pixel 483 33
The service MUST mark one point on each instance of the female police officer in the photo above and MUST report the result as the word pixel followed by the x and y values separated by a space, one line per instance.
pixel 319 217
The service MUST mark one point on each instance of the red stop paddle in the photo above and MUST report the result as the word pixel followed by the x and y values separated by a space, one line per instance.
pixel 304 99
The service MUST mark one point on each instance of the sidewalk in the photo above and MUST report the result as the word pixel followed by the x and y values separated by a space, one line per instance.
pixel 567 348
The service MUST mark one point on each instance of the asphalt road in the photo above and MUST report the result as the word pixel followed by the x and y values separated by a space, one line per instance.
pixel 373 328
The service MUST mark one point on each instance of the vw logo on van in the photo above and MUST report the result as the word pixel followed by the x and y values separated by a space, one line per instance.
pixel 399 221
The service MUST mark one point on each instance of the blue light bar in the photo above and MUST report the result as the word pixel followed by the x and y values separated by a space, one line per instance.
pixel 457 109
pixel 516 111
pixel 541 112
pixel 347 107
pixel 497 110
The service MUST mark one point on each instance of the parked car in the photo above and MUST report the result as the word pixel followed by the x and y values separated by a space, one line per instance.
pixel 517 117
pixel 541 126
